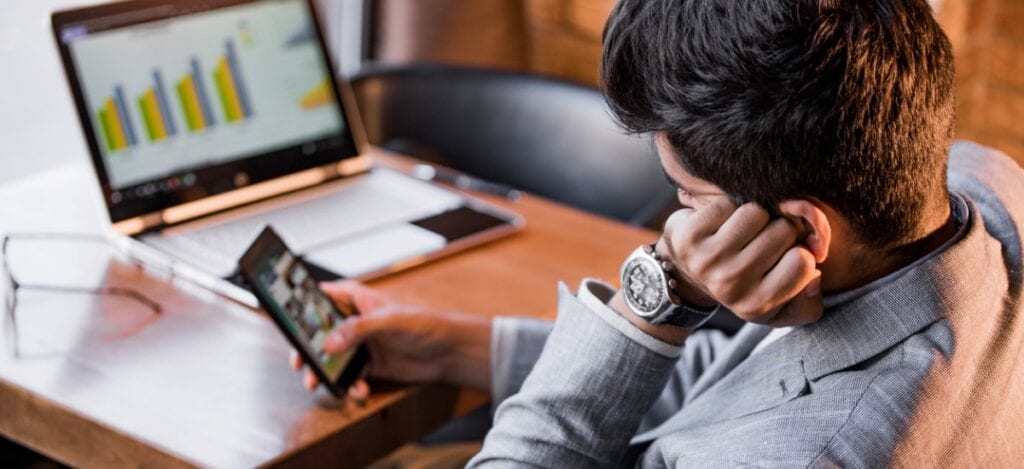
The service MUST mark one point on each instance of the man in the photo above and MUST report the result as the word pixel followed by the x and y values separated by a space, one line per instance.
pixel 881 268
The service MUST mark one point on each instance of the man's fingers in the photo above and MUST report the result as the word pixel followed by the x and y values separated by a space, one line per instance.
pixel 343 338
pixel 354 332
pixel 677 220
pixel 742 227
pixel 359 391
pixel 685 226
pixel 780 285
pixel 746 260
pixel 765 250
pixel 309 381
pixel 805 308
pixel 341 291
pixel 708 219
pixel 295 360
pixel 365 299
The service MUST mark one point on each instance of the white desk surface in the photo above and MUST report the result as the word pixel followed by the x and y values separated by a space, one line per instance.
pixel 204 383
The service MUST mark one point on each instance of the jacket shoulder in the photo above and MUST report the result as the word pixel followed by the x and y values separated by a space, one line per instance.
pixel 850 418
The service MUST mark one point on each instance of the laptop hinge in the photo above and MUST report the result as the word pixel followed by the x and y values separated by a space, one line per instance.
pixel 245 195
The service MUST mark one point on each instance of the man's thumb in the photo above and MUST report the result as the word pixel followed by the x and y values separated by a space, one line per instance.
pixel 348 335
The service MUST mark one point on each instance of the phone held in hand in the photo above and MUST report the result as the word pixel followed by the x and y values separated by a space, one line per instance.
pixel 286 289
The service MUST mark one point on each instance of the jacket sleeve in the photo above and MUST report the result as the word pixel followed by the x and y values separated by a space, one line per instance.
pixel 595 379
pixel 516 344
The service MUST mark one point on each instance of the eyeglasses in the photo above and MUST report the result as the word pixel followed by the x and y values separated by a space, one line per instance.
pixel 12 285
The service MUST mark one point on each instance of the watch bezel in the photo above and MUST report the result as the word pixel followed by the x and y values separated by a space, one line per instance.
pixel 650 263
pixel 671 310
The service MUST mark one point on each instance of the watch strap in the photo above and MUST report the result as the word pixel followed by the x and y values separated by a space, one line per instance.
pixel 680 314
pixel 685 316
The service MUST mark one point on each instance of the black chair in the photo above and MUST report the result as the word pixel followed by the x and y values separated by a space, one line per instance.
pixel 544 136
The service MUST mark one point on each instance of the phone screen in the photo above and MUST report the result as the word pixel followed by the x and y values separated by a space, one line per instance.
pixel 288 291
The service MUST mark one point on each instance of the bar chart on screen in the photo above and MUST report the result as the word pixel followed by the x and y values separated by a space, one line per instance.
pixel 207 88
pixel 155 110
pixel 231 85
pixel 195 102
pixel 193 99
pixel 116 128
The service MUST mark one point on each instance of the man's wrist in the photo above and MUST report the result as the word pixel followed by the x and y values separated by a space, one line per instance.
pixel 467 359
pixel 668 333
pixel 685 290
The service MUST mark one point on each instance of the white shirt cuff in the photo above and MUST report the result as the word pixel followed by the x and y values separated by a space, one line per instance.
pixel 595 295
pixel 503 348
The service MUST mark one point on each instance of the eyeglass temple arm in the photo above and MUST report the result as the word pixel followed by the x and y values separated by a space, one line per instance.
pixel 102 290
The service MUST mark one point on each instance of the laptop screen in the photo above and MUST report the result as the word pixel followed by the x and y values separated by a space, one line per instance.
pixel 182 100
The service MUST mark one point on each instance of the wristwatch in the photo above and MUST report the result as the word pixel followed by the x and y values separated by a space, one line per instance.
pixel 649 290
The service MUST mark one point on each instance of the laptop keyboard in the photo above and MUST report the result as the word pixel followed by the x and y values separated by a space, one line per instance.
pixel 375 200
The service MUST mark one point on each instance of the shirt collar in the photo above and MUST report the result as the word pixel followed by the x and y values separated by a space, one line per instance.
pixel 960 211
pixel 880 315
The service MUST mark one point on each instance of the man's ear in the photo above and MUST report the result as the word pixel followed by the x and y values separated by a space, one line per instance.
pixel 814 225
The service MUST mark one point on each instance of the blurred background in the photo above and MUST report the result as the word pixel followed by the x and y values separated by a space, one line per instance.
pixel 554 38
pixel 562 38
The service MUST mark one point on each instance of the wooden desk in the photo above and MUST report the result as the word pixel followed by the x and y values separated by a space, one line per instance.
pixel 207 382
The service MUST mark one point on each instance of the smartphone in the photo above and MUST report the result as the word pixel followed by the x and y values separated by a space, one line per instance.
pixel 286 289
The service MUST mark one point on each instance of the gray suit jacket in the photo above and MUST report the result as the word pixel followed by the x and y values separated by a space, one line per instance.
pixel 920 370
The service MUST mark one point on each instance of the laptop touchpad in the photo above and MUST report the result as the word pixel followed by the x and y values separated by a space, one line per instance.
pixel 375 250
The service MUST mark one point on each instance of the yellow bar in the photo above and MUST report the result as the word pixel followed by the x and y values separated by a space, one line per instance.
pixel 118 131
pixel 229 87
pixel 106 126
pixel 320 95
pixel 153 108
pixel 194 108
pixel 147 118
pixel 222 92
pixel 183 99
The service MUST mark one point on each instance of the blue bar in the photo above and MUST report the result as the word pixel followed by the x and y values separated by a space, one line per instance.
pixel 126 121
pixel 165 108
pixel 204 101
pixel 243 94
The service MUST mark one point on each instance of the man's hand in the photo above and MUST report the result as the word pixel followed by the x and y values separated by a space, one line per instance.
pixel 745 260
pixel 407 343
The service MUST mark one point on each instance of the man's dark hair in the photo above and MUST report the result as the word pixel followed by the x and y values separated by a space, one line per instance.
pixel 845 101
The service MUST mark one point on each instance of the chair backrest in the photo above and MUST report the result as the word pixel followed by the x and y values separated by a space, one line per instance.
pixel 547 137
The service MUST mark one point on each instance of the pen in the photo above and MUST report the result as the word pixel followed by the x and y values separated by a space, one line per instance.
pixel 465 181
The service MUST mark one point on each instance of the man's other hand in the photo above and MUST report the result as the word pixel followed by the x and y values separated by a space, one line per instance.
pixel 407 343
pixel 745 260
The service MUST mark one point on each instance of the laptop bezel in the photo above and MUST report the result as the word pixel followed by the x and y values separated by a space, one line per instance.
pixel 227 185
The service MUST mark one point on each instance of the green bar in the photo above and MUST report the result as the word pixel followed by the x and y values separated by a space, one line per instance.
pixel 150 128
pixel 105 124
pixel 218 78
pixel 185 106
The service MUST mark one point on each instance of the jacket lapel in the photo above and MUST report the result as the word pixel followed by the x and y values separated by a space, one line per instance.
pixel 742 344
pixel 736 385
pixel 917 297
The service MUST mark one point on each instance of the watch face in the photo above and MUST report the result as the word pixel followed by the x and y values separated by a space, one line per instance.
pixel 644 286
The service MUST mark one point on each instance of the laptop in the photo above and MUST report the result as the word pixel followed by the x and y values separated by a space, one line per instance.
pixel 208 120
